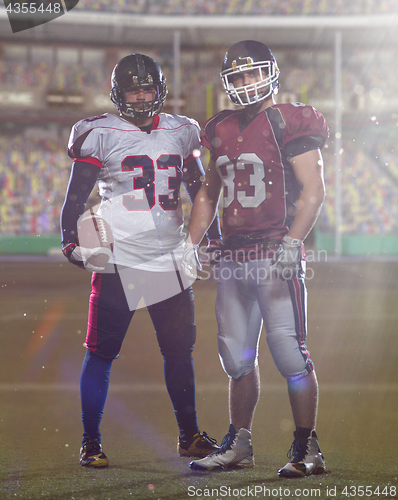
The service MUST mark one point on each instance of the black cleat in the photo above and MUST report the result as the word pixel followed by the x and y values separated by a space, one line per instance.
pixel 91 454
pixel 199 446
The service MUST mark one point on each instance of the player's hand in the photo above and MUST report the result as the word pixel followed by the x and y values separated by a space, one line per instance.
pixel 287 259
pixel 213 252
pixel 190 263
pixel 81 256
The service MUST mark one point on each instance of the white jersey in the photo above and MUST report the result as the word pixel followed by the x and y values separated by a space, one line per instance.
pixel 139 183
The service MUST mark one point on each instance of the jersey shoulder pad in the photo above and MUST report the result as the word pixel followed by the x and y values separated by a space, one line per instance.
pixel 301 120
pixel 175 121
pixel 185 132
pixel 219 117
pixel 210 126
pixel 189 121
pixel 83 135
pixel 94 122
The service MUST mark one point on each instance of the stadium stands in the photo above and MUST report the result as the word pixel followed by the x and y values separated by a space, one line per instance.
pixel 34 174
pixel 241 7
pixel 34 169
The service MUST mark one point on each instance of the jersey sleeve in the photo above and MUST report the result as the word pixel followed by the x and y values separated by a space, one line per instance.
pixel 84 142
pixel 192 140
pixel 82 180
pixel 305 129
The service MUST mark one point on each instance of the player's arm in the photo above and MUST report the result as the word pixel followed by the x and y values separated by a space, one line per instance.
pixel 81 182
pixel 204 209
pixel 308 170
pixel 204 212
pixel 193 179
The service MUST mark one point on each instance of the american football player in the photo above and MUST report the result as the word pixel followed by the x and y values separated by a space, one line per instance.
pixel 139 158
pixel 265 158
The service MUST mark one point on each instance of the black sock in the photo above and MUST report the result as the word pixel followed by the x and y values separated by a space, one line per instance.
pixel 302 433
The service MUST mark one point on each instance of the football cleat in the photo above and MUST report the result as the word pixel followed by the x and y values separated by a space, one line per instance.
pixel 91 454
pixel 200 446
pixel 306 458
pixel 236 451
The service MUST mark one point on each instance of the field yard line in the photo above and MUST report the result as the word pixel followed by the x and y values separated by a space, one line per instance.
pixel 371 316
pixel 4 318
pixel 200 388
pixel 333 315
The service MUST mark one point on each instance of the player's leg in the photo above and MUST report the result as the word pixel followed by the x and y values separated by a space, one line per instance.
pixel 94 383
pixel 303 396
pixel 244 394
pixel 239 327
pixel 239 323
pixel 175 328
pixel 109 318
pixel 306 457
pixel 284 309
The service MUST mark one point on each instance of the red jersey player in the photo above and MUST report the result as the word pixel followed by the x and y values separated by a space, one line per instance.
pixel 266 159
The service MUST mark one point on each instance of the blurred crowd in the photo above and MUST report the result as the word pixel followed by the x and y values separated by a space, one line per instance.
pixel 44 75
pixel 34 174
pixel 242 7
pixel 369 181
pixel 34 169
pixel 312 78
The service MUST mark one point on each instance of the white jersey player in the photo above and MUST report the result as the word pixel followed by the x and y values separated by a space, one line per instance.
pixel 139 177
pixel 139 160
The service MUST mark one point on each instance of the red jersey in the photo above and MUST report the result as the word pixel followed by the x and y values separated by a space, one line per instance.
pixel 259 187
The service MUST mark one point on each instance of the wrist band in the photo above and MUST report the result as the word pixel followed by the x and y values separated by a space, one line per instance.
pixel 292 241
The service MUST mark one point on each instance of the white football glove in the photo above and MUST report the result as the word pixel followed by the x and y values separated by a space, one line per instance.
pixel 287 259
pixel 190 263
pixel 80 256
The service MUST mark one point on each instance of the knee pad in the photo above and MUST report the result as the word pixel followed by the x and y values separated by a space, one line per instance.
pixel 290 356
pixel 236 363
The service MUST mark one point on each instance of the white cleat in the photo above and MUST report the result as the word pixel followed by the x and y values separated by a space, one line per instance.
pixel 236 451
pixel 306 458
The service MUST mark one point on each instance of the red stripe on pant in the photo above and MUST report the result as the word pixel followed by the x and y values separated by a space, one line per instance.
pixel 91 338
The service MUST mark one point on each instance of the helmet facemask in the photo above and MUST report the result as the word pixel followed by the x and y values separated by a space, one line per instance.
pixel 245 95
pixel 142 110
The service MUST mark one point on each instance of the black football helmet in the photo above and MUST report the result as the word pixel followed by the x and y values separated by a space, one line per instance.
pixel 133 71
pixel 250 55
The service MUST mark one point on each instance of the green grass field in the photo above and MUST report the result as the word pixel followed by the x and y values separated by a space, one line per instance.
pixel 353 319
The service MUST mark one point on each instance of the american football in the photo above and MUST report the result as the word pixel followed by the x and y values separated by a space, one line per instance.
pixel 93 232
